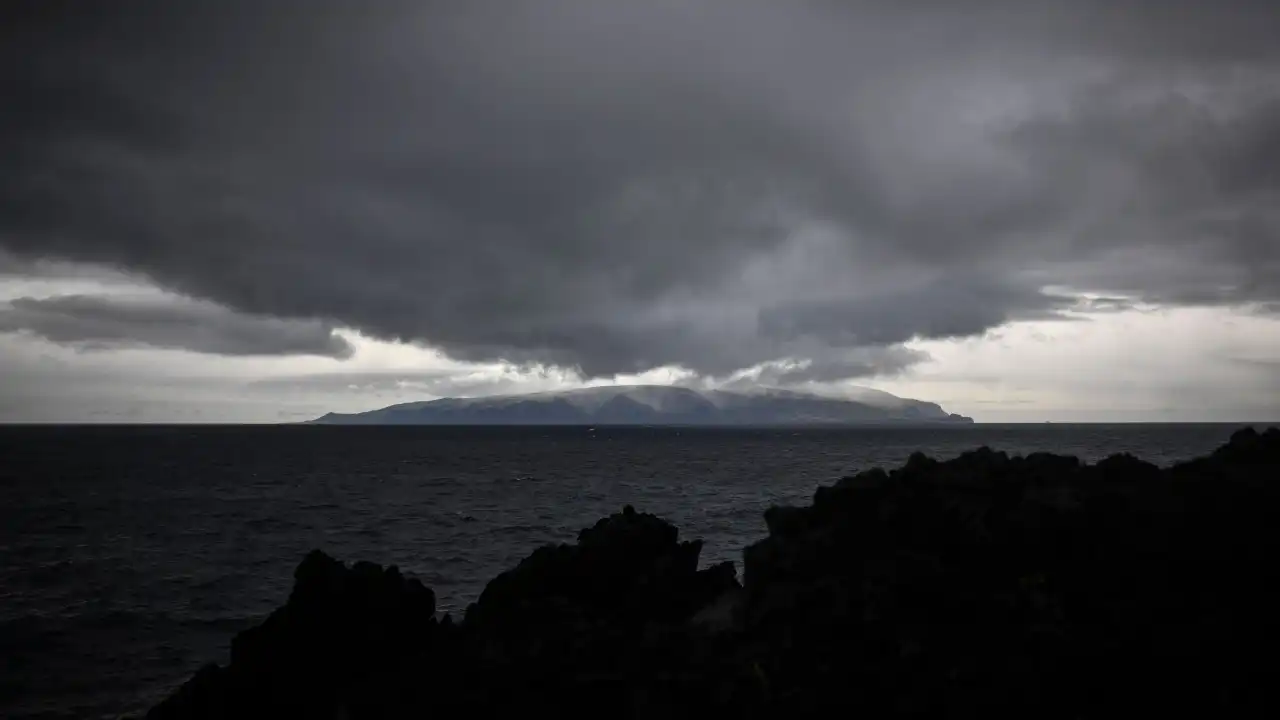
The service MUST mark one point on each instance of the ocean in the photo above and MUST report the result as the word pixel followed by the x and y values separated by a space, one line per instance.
pixel 130 556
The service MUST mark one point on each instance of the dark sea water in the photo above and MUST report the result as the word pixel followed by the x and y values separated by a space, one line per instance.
pixel 130 556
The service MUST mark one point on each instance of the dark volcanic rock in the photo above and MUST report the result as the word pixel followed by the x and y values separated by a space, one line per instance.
pixel 575 625
pixel 341 633
pixel 982 585
pixel 629 565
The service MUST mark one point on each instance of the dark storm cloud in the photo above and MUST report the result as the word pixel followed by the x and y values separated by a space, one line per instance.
pixel 36 268
pixel 12 267
pixel 97 322
pixel 412 384
pixel 1193 187
pixel 945 308
pixel 622 185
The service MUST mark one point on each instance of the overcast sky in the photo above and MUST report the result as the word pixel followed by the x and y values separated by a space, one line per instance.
pixel 261 211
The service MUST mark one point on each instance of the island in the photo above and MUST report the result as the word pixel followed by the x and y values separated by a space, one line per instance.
pixel 659 405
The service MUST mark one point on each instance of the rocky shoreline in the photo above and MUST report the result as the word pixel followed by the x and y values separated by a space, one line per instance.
pixel 980 585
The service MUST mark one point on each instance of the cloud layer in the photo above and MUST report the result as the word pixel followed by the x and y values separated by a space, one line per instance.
pixel 618 186
pixel 100 322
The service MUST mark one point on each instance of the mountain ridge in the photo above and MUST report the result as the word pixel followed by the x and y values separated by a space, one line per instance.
pixel 657 405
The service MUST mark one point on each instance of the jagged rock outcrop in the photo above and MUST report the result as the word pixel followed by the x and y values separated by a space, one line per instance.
pixel 982 585
pixel 342 634
pixel 574 626
pixel 988 583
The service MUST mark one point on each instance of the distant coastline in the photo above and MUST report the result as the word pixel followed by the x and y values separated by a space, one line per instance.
pixel 330 420
pixel 661 406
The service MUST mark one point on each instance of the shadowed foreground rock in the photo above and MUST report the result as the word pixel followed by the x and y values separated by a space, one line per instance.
pixel 984 585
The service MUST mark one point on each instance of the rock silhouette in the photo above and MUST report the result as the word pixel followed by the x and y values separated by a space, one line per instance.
pixel 982 585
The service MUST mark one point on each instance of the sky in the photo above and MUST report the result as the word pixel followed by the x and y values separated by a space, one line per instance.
pixel 241 211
